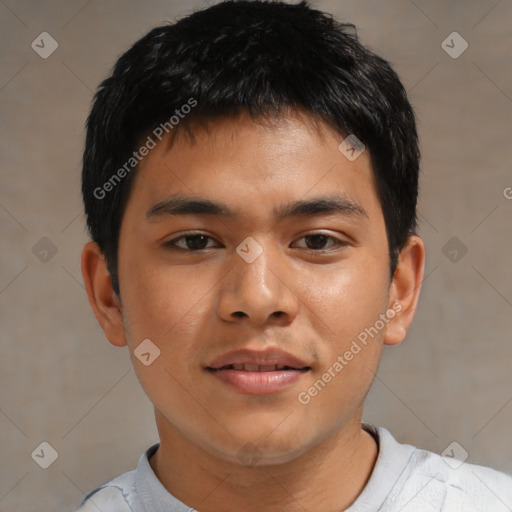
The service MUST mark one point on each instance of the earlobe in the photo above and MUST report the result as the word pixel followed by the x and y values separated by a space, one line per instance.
pixel 104 302
pixel 405 289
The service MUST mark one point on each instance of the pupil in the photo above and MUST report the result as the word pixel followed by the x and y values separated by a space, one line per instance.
pixel 194 243
pixel 318 241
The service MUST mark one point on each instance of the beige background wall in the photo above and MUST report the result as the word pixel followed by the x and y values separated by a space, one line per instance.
pixel 64 384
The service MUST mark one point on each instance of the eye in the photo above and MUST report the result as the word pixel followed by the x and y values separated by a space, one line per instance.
pixel 318 241
pixel 198 241
pixel 191 242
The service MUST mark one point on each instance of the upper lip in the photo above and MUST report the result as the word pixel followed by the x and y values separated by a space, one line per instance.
pixel 267 357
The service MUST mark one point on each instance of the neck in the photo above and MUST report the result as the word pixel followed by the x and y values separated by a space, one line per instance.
pixel 326 478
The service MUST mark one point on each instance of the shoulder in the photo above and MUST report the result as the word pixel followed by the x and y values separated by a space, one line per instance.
pixel 454 483
pixel 121 494
pixel 419 480
pixel 117 495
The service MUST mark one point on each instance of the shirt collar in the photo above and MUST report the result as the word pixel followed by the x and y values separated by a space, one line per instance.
pixel 391 461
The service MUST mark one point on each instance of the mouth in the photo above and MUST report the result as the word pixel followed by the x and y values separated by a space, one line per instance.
pixel 258 373
pixel 249 367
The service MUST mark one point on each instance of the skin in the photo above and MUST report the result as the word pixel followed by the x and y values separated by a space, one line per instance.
pixel 198 305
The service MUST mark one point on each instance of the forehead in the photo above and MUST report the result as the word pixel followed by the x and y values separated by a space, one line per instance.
pixel 255 167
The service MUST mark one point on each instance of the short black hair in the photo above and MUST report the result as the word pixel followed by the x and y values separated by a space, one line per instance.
pixel 264 58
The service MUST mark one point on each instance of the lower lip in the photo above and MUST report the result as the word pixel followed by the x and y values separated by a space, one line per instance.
pixel 258 383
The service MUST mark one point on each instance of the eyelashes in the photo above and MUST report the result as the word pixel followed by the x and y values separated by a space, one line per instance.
pixel 196 242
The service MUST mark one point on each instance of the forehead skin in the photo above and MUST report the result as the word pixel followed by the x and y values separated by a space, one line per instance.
pixel 254 168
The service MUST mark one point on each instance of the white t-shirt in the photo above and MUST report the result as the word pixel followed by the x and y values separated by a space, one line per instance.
pixel 404 479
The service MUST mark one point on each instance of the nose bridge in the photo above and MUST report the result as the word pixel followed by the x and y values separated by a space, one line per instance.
pixel 256 274
pixel 254 286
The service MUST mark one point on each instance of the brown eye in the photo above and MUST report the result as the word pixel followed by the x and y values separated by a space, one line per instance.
pixel 190 242
pixel 318 241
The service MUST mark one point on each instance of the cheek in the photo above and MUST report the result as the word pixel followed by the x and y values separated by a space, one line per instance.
pixel 346 312
pixel 346 300
pixel 168 306
pixel 164 299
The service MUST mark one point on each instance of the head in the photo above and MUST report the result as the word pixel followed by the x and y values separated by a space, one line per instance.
pixel 242 107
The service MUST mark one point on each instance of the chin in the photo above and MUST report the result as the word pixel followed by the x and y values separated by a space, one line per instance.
pixel 261 444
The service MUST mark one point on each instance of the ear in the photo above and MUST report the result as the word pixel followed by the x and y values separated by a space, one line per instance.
pixel 104 302
pixel 405 289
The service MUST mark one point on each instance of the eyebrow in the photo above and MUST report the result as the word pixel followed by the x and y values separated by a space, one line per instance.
pixel 326 205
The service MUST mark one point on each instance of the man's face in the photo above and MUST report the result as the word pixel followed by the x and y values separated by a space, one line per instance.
pixel 318 281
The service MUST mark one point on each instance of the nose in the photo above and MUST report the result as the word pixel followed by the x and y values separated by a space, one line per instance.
pixel 258 292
